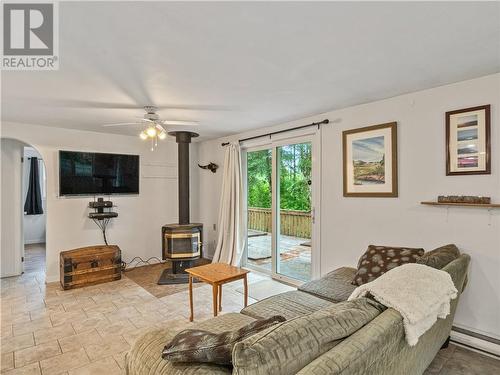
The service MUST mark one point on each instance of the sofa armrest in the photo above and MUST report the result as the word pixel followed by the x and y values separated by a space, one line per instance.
pixel 336 286
pixel 357 353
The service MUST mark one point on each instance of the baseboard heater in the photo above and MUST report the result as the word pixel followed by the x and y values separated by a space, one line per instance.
pixel 473 340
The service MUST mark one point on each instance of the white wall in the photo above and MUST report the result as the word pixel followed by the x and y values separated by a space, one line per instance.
pixel 137 230
pixel 34 225
pixel 11 207
pixel 349 225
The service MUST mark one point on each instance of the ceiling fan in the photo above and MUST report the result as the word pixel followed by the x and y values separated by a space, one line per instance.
pixel 153 126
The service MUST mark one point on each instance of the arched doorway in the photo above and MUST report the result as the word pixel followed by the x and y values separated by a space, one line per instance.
pixel 23 195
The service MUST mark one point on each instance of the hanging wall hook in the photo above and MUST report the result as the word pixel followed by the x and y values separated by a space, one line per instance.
pixel 212 167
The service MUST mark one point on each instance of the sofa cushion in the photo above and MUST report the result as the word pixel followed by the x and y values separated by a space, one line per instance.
pixel 288 304
pixel 335 286
pixel 287 347
pixel 440 257
pixel 196 345
pixel 379 259
pixel 144 358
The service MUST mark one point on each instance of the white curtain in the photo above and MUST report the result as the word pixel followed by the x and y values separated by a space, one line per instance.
pixel 230 242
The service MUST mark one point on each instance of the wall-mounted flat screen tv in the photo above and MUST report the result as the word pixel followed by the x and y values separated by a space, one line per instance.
pixel 92 173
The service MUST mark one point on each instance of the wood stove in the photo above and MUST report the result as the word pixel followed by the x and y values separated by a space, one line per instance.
pixel 182 245
pixel 181 242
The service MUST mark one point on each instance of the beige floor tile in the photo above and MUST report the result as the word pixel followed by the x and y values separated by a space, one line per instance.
pixel 129 301
pixel 45 312
pixel 79 303
pixel 106 297
pixel 110 345
pixel 147 319
pixel 88 324
pixel 31 369
pixel 6 331
pixel 105 366
pixel 34 325
pixel 75 342
pixel 115 328
pixel 59 300
pixel 59 318
pixel 7 361
pixel 120 359
pixel 123 313
pixel 36 353
pixel 53 333
pixel 28 307
pixel 64 362
pixel 17 343
pixel 150 306
pixel 105 307
pixel 21 317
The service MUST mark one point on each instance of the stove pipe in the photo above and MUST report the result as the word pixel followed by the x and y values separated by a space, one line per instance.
pixel 183 140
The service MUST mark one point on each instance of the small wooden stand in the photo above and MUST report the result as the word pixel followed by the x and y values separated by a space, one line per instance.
pixel 216 274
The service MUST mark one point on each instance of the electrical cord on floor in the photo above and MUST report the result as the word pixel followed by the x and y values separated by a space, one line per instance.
pixel 125 265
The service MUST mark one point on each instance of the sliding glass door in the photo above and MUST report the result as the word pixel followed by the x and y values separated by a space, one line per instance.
pixel 280 209
pixel 259 214
pixel 293 196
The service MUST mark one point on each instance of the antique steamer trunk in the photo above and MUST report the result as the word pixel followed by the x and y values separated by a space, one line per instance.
pixel 90 265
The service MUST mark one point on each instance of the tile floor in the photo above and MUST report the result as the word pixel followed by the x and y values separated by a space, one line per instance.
pixel 87 331
pixel 45 330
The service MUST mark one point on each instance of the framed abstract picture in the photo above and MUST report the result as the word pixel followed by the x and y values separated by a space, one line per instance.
pixel 370 161
pixel 468 141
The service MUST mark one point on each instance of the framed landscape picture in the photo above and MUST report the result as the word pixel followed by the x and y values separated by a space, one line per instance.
pixel 468 141
pixel 370 161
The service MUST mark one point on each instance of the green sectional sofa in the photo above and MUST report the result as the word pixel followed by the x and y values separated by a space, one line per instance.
pixel 378 347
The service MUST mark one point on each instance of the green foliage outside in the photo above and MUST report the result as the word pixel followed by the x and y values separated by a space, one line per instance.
pixel 294 173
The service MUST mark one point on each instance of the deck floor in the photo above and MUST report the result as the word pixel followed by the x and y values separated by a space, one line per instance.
pixel 295 254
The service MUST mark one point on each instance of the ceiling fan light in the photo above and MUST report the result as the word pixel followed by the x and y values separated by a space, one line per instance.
pixel 143 135
pixel 162 135
pixel 151 131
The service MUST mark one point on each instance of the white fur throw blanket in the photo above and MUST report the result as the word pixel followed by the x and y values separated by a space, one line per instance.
pixel 421 294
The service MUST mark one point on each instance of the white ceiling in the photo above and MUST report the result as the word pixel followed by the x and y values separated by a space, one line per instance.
pixel 237 66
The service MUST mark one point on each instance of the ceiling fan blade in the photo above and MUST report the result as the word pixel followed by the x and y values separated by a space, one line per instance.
pixel 121 124
pixel 142 119
pixel 194 107
pixel 76 103
pixel 179 122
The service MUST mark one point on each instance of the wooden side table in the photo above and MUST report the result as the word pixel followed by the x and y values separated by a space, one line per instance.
pixel 216 274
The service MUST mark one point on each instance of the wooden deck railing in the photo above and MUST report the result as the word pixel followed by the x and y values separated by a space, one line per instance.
pixel 292 223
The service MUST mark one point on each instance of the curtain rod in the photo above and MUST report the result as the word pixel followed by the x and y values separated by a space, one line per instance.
pixel 325 121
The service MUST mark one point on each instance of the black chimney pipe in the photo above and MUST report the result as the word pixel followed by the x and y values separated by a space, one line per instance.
pixel 183 140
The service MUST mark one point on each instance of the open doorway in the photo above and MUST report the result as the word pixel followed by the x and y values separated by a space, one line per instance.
pixel 34 210
pixel 23 200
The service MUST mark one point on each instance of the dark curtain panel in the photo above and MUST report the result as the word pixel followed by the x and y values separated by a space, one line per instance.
pixel 33 204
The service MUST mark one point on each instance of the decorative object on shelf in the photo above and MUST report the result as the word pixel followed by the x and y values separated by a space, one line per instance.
pixel 212 167
pixel 370 161
pixel 463 199
pixel 100 216
pixel 468 144
pixel 90 265
pixel 489 206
